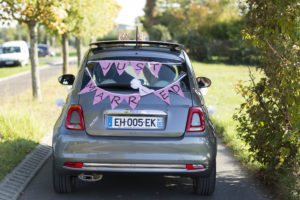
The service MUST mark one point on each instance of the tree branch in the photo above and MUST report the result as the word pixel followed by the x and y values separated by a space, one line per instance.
pixel 277 53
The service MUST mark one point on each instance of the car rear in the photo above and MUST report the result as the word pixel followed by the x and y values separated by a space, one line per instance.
pixel 158 135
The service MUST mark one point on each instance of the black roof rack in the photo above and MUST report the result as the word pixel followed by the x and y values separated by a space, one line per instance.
pixel 134 43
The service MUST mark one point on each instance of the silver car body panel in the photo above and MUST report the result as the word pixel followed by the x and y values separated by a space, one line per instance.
pixel 97 146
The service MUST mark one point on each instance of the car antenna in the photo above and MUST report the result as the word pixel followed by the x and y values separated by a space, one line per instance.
pixel 136 35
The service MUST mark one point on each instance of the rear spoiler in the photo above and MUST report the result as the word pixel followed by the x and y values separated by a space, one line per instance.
pixel 136 44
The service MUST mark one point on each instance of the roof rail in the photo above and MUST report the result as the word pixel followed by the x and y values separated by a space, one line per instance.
pixel 134 43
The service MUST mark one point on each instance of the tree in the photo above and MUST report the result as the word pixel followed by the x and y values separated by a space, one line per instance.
pixel 86 19
pixel 31 13
pixel 270 116
pixel 150 14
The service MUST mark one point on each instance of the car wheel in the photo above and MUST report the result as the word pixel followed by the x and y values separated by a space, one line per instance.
pixel 205 185
pixel 63 183
pixel 22 64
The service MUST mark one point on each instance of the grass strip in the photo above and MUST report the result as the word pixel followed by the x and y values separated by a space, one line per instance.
pixel 221 94
pixel 23 122
pixel 7 71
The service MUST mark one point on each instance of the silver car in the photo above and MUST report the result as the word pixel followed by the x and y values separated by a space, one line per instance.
pixel 135 107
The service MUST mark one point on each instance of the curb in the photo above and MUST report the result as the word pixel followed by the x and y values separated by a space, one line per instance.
pixel 14 183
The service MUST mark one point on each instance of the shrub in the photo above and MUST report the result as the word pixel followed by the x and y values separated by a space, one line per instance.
pixel 270 116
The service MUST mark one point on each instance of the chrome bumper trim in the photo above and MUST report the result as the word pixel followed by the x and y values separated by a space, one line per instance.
pixel 146 168
pixel 158 166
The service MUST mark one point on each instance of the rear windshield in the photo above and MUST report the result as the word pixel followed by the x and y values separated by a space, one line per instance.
pixel 169 72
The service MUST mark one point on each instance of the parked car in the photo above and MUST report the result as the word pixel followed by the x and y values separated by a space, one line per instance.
pixel 43 50
pixel 14 53
pixel 135 107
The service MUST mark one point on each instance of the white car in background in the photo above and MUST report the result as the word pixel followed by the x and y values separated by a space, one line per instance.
pixel 14 53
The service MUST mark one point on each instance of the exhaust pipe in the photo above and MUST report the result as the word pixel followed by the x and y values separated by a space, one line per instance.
pixel 90 177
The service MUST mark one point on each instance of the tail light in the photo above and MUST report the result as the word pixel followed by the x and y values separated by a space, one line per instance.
pixel 73 164
pixel 74 119
pixel 195 122
pixel 194 166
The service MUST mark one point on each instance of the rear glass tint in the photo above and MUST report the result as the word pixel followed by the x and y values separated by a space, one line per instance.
pixel 169 72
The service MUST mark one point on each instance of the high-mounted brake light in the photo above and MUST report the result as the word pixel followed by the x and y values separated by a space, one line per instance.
pixel 73 164
pixel 195 122
pixel 78 123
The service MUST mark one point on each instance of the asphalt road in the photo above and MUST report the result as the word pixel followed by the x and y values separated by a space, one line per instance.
pixel 232 184
pixel 22 82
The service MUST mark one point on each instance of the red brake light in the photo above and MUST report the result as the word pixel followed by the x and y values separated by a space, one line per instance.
pixel 73 164
pixel 195 122
pixel 194 166
pixel 78 125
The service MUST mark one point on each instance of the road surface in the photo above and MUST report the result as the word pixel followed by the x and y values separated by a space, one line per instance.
pixel 232 184
pixel 15 85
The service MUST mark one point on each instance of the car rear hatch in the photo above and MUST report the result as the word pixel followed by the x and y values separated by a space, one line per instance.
pixel 153 117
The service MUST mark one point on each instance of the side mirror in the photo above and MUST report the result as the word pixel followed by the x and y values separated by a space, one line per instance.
pixel 203 82
pixel 66 79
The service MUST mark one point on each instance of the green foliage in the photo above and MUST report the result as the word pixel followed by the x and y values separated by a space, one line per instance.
pixel 90 18
pixel 160 33
pixel 222 96
pixel 20 32
pixel 270 116
pixel 208 29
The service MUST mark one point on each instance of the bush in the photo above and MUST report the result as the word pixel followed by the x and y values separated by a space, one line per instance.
pixel 270 116
pixel 196 45
pixel 160 33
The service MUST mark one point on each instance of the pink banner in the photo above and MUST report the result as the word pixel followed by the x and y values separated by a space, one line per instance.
pixel 115 100
pixel 132 100
pixel 163 94
pixel 121 66
pixel 155 68
pixel 138 66
pixel 175 88
pixel 91 86
pixel 105 65
pixel 100 95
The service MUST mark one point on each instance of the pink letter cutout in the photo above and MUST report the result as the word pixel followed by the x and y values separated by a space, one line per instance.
pixel 100 95
pixel 163 94
pixel 105 65
pixel 121 66
pixel 115 100
pixel 175 88
pixel 132 100
pixel 138 66
pixel 155 67
pixel 91 86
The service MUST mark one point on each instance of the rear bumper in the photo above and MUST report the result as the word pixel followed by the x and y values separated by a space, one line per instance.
pixel 137 155
pixel 112 168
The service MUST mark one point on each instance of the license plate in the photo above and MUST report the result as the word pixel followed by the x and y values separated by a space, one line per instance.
pixel 9 62
pixel 134 122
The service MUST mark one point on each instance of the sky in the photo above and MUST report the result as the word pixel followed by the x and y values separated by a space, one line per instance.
pixel 130 9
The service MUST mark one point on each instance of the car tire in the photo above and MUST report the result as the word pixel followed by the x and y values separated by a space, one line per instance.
pixel 205 185
pixel 63 183
pixel 22 64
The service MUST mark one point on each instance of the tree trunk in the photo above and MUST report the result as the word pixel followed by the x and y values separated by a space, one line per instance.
pixel 65 53
pixel 79 50
pixel 35 77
